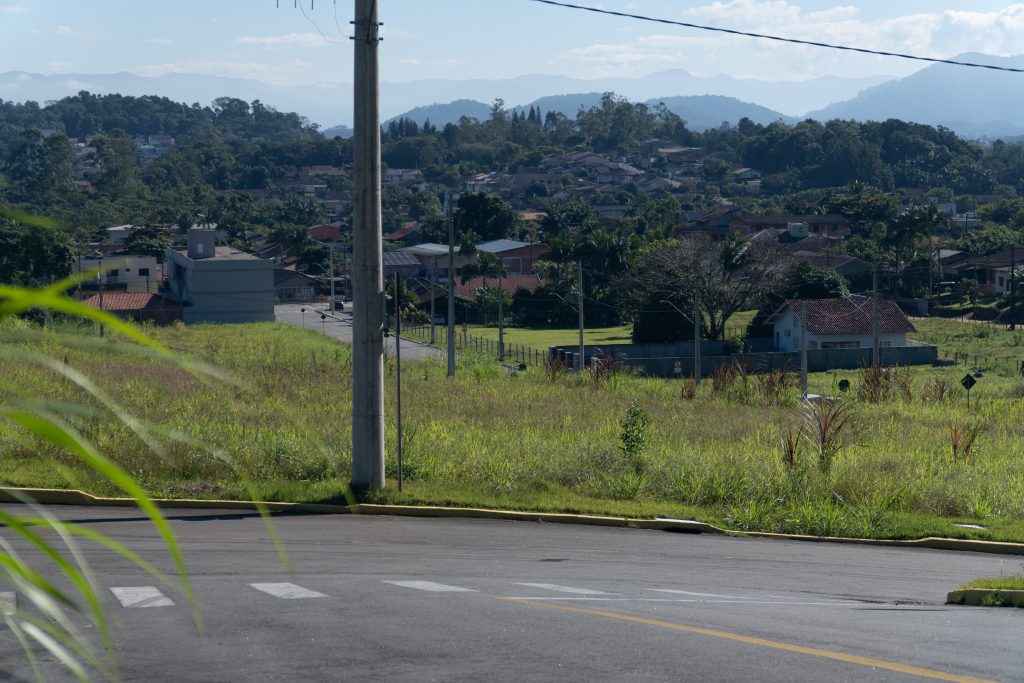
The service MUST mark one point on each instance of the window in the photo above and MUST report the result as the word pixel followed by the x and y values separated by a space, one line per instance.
pixel 112 273
pixel 841 345
pixel 143 272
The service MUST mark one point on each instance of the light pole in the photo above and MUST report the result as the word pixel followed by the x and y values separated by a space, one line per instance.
pixel 696 334
pixel 99 282
pixel 303 310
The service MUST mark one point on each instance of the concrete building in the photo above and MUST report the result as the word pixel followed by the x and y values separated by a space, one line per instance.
pixel 125 272
pixel 219 284
pixel 838 324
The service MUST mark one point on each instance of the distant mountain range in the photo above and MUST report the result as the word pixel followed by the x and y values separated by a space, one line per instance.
pixel 699 111
pixel 972 102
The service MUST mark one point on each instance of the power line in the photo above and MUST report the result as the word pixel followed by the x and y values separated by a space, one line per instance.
pixel 780 39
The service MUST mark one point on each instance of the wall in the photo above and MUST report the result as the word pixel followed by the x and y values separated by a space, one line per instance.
pixel 819 360
pixel 222 290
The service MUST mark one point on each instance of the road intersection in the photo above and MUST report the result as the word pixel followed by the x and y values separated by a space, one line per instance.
pixel 388 598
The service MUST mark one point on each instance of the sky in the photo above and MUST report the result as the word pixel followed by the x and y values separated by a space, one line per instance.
pixel 281 43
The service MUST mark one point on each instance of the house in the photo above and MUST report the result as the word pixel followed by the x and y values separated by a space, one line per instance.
pixel 293 286
pixel 410 233
pixel 123 271
pixel 119 233
pixel 517 257
pixel 401 262
pixel 742 175
pixel 838 324
pixel 510 284
pixel 992 271
pixel 219 284
pixel 137 306
pixel 433 257
pixel 828 225
pixel 325 232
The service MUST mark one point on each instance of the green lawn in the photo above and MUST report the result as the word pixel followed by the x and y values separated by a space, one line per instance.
pixel 1009 583
pixel 905 467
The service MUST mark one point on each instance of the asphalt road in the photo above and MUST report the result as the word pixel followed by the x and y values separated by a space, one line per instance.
pixel 339 326
pixel 386 598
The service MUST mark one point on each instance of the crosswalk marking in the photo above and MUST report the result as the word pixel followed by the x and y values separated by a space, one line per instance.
pixel 286 591
pixel 565 589
pixel 141 596
pixel 431 586
pixel 8 603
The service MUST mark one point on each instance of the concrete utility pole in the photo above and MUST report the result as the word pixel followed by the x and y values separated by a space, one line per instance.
pixel 696 340
pixel 803 348
pixel 876 353
pixel 451 286
pixel 398 372
pixel 99 282
pixel 581 361
pixel 332 277
pixel 1013 286
pixel 501 315
pixel 433 297
pixel 367 260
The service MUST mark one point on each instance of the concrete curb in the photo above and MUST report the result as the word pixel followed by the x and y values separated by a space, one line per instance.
pixel 988 597
pixel 932 542
pixel 74 497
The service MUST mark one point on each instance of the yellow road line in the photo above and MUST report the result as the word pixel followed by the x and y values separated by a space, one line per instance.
pixel 813 651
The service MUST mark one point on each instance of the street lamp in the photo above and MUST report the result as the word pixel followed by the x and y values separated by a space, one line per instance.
pixel 696 334
pixel 303 310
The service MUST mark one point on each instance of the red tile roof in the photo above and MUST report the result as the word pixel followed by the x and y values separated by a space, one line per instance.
pixel 124 301
pixel 845 316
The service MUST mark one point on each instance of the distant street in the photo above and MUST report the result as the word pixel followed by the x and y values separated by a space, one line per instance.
pixel 388 598
pixel 338 324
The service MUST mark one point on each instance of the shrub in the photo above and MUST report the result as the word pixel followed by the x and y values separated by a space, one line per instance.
pixel 633 435
pixel 825 423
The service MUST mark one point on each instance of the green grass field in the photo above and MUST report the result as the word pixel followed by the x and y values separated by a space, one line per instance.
pixel 537 440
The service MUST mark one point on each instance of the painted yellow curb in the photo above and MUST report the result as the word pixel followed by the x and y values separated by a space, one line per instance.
pixel 73 497
pixel 986 596
pixel 932 542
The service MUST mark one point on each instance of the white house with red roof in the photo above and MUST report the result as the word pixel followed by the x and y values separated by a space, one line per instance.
pixel 838 324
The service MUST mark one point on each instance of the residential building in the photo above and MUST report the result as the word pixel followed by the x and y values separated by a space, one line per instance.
pixel 518 257
pixel 123 271
pixel 838 324
pixel 137 306
pixel 219 284
pixel 293 286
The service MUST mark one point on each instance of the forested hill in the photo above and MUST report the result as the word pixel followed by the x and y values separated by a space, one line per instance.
pixel 87 114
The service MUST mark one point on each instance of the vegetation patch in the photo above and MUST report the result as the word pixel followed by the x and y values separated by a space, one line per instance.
pixel 747 456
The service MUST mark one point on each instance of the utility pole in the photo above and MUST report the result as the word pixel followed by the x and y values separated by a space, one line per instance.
pixel 803 349
pixel 581 360
pixel 398 372
pixel 367 265
pixel 433 296
pixel 1013 286
pixel 501 315
pixel 99 281
pixel 696 340
pixel 451 285
pixel 876 359
pixel 332 278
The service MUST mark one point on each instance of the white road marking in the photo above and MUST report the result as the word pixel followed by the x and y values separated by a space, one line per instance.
pixel 699 595
pixel 684 600
pixel 8 603
pixel 565 589
pixel 431 586
pixel 286 591
pixel 141 596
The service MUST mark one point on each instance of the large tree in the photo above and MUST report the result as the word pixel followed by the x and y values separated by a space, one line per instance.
pixel 33 256
pixel 725 277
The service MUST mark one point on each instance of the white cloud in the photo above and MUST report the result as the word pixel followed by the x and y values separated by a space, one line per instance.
pixel 158 41
pixel 410 60
pixel 285 73
pixel 63 30
pixel 12 9
pixel 283 41
pixel 23 77
pixel 938 34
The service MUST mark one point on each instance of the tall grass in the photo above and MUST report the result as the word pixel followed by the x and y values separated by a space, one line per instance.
pixel 542 439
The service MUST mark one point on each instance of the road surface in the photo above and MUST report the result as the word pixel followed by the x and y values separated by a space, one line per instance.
pixel 388 598
pixel 339 326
